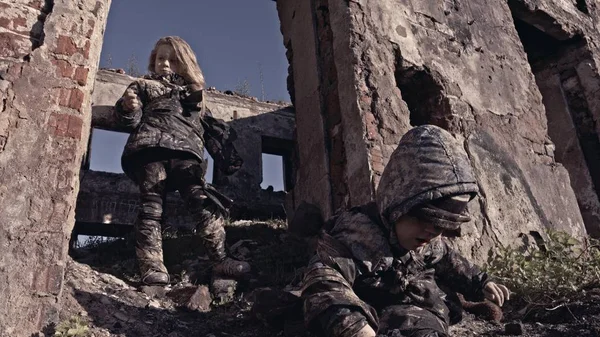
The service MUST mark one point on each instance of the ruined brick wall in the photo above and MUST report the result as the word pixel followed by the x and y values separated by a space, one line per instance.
pixel 458 64
pixel 49 53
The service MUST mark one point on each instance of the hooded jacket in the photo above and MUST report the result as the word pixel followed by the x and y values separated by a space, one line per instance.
pixel 172 118
pixel 359 269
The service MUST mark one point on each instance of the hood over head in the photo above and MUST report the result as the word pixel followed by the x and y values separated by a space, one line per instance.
pixel 428 175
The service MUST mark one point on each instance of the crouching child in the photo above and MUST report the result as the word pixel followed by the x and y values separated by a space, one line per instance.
pixel 379 268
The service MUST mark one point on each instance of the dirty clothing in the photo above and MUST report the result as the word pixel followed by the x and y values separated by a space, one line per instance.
pixel 159 171
pixel 165 153
pixel 361 275
pixel 172 117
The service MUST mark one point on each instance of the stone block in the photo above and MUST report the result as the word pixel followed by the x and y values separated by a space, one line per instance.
pixel 81 75
pixel 13 45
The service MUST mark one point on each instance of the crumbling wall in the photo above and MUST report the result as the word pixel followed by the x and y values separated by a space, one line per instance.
pixel 312 142
pixel 456 64
pixel 49 53
pixel 561 55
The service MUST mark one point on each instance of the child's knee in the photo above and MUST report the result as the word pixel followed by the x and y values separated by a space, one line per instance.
pixel 151 207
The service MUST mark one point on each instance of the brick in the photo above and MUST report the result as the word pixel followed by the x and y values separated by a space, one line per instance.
pixel 62 124
pixel 63 99
pixel 71 98
pixel 63 68
pixel 376 152
pixel 65 125
pixel 13 45
pixel 19 22
pixel 52 122
pixel 37 4
pixel 377 166
pixel 81 75
pixel 92 25
pixel 5 23
pixel 66 46
pixel 371 125
pixel 14 71
pixel 75 127
pixel 76 99
pixel 48 279
pixel 86 49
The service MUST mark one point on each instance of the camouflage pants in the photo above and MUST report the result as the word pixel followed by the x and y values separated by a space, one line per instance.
pixel 411 321
pixel 156 176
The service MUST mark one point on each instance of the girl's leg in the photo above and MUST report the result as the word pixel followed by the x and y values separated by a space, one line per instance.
pixel 210 227
pixel 148 246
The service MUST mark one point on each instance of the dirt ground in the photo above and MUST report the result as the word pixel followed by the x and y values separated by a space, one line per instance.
pixel 103 294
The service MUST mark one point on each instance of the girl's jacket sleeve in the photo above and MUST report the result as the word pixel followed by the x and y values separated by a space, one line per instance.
pixel 131 119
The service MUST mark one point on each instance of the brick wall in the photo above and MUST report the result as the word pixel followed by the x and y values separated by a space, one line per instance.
pixel 49 52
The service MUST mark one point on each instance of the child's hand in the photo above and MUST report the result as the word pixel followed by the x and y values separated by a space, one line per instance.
pixel 366 331
pixel 496 293
pixel 131 102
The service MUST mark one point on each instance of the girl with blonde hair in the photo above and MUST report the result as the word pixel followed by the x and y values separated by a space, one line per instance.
pixel 165 152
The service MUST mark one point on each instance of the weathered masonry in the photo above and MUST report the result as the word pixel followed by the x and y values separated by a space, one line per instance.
pixel 108 202
pixel 49 53
pixel 517 81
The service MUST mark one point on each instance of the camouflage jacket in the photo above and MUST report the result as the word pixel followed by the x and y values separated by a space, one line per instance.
pixel 356 273
pixel 172 118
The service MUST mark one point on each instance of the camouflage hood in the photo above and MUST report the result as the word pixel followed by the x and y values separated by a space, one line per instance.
pixel 428 164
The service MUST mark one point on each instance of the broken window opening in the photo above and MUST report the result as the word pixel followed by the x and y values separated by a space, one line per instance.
pixel 277 165
pixel 571 126
pixel 272 172
pixel 105 150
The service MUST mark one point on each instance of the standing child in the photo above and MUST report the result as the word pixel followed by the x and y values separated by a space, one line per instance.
pixel 165 153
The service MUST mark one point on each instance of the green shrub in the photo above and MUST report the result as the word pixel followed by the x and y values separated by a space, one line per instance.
pixel 73 327
pixel 553 272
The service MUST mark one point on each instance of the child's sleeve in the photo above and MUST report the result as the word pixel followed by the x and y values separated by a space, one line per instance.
pixel 127 118
pixel 218 140
pixel 456 272
pixel 330 305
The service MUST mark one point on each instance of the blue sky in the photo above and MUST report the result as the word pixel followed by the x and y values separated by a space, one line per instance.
pixel 233 41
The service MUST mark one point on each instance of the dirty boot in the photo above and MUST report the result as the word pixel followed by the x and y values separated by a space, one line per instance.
pixel 154 277
pixel 231 268
pixel 149 253
pixel 213 237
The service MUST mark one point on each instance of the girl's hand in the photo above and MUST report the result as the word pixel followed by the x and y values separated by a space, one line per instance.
pixel 131 102
pixel 496 293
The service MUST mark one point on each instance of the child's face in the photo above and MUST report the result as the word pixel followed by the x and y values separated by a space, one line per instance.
pixel 166 61
pixel 413 233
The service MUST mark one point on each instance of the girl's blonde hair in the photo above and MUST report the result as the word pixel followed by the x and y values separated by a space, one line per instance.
pixel 188 66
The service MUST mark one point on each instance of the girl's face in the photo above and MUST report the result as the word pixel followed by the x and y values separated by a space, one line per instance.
pixel 166 62
pixel 413 233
